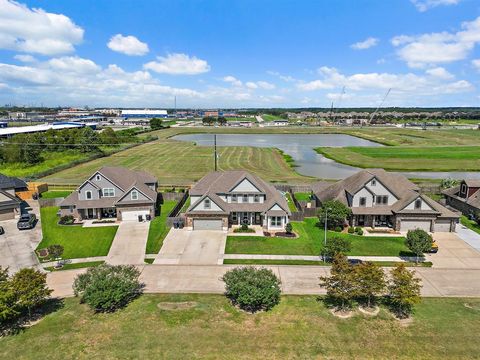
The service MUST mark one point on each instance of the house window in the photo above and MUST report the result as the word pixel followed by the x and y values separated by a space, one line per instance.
pixel 97 177
pixel 234 217
pixel 108 192
pixel 245 198
pixel 363 201
pixel 464 189
pixel 207 204
pixel 276 221
pixel 234 198
pixel 88 195
pixel 134 195
pixel 381 200
pixel 418 204
pixel 374 182
pixel 256 198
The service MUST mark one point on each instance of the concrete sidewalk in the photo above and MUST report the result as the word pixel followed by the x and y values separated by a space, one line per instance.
pixel 313 258
pixel 469 236
pixel 296 280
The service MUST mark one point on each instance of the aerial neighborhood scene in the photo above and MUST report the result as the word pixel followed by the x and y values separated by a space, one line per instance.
pixel 240 179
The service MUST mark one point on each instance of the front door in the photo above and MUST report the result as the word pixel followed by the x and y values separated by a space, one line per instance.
pixel 245 219
pixel 89 213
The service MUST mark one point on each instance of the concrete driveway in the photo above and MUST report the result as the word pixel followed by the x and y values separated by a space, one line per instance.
pixel 17 247
pixel 186 247
pixel 129 244
pixel 469 236
pixel 453 253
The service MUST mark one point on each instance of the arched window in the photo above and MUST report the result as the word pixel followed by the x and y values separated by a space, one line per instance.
pixel 134 195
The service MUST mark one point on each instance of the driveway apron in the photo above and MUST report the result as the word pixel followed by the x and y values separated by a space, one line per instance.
pixel 129 244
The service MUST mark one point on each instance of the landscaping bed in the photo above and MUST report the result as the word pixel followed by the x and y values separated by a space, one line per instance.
pixel 310 242
pixel 77 241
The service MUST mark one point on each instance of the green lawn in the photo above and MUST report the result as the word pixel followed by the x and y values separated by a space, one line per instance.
pixel 269 117
pixel 158 228
pixel 310 242
pixel 78 242
pixel 429 158
pixel 303 196
pixel 315 263
pixel 51 194
pixel 209 327
pixel 472 225
pixel 291 204
pixel 76 266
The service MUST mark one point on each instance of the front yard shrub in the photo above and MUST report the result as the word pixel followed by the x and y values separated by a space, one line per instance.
pixel 351 229
pixel 359 231
pixel 338 229
pixel 106 288
pixel 55 251
pixel 288 228
pixel 252 289
pixel 66 220
pixel 244 229
pixel 336 245
pixel 418 241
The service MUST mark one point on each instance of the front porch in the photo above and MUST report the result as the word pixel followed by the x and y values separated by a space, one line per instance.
pixel 373 221
pixel 97 213
pixel 245 218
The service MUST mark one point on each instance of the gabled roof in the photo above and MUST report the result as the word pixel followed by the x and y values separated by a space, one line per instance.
pixel 472 182
pixel 222 182
pixel 7 182
pixel 473 200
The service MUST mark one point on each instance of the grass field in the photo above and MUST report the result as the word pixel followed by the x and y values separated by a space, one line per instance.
pixel 52 194
pixel 303 196
pixel 440 158
pixel 472 225
pixel 183 163
pixel 78 242
pixel 208 327
pixel 269 117
pixel 158 228
pixel 291 204
pixel 310 242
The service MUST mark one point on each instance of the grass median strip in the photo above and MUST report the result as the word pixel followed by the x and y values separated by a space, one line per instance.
pixel 77 241
pixel 158 228
pixel 310 242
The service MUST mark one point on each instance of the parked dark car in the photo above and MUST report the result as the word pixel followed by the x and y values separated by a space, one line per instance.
pixel 2 231
pixel 26 221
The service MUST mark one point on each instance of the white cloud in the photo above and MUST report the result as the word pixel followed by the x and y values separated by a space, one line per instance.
pixel 286 78
pixel 436 48
pixel 25 58
pixel 365 44
pixel 265 85
pixel 251 85
pixel 178 64
pixel 232 80
pixel 440 73
pixel 424 5
pixel 36 31
pixel 128 45
pixel 476 63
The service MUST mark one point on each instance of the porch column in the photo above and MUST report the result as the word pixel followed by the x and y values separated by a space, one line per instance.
pixel 373 221
pixel 99 214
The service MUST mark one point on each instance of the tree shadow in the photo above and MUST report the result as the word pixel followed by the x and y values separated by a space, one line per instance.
pixel 24 321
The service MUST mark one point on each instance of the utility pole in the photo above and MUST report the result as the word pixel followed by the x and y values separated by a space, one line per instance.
pixel 215 147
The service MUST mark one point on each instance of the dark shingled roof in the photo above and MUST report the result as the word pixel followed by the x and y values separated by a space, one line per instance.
pixel 7 182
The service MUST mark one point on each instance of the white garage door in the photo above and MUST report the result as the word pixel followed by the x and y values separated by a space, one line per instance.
pixel 442 226
pixel 415 224
pixel 210 224
pixel 134 214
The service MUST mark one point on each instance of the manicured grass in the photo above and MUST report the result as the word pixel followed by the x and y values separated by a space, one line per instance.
pixel 76 266
pixel 429 158
pixel 316 263
pixel 310 242
pixel 51 194
pixel 269 117
pixel 158 228
pixel 209 327
pixel 303 196
pixel 149 261
pixel 78 242
pixel 472 225
pixel 291 204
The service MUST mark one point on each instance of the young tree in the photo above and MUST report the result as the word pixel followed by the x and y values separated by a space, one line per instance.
pixel 30 287
pixel 336 245
pixel 221 121
pixel 340 285
pixel 208 120
pixel 108 136
pixel 156 123
pixel 418 241
pixel 370 281
pixel 8 299
pixel 336 213
pixel 403 290
pixel 288 228
pixel 55 251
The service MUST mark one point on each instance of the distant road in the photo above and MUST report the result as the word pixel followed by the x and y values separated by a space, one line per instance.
pixel 259 118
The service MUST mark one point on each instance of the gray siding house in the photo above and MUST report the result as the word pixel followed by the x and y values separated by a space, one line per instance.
pixel 9 202
pixel 113 192
pixel 232 198
pixel 378 198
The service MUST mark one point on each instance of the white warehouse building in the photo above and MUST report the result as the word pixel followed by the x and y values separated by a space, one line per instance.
pixel 145 113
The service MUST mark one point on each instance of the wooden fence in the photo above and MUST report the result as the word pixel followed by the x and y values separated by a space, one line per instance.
pixel 174 214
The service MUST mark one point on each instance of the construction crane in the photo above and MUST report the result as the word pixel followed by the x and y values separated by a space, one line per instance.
pixel 379 106
pixel 334 110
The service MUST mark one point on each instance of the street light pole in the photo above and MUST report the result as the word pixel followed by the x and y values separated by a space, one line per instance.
pixel 325 238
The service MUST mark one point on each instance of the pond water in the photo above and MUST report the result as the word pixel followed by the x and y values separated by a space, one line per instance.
pixel 308 161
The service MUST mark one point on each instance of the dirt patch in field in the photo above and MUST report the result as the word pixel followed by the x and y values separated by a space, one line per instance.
pixel 173 306
pixel 369 311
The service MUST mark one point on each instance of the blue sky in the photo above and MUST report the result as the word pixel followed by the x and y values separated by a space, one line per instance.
pixel 240 53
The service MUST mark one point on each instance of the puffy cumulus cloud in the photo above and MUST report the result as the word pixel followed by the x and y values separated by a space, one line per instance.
pixel 476 63
pixel 74 80
pixel 128 45
pixel 25 58
pixel 436 81
pixel 178 64
pixel 365 44
pixel 259 84
pixel 232 80
pixel 436 48
pixel 424 5
pixel 36 31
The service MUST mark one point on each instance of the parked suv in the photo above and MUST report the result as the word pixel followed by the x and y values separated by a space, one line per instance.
pixel 26 221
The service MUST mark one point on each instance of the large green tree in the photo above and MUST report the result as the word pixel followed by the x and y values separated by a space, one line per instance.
pixel 8 299
pixel 340 285
pixel 30 288
pixel 156 123
pixel 336 245
pixel 370 281
pixel 337 213
pixel 403 290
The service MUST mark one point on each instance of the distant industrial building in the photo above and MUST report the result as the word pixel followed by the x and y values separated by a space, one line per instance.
pixel 11 131
pixel 136 113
